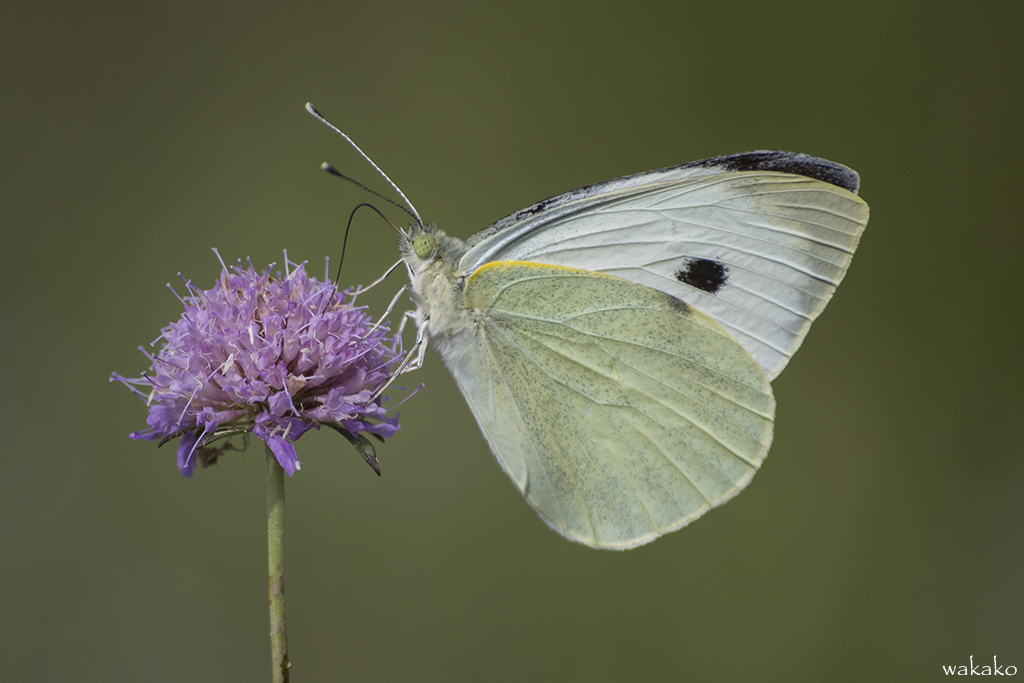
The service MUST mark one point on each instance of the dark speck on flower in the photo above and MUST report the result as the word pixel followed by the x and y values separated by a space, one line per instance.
pixel 271 355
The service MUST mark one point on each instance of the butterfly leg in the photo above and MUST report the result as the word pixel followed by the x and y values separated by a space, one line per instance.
pixel 421 343
pixel 419 348
pixel 380 279
pixel 405 319
pixel 394 302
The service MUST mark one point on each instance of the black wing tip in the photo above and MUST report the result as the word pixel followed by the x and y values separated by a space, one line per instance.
pixel 786 162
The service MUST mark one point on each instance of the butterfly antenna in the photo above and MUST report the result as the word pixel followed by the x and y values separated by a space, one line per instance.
pixel 344 241
pixel 335 172
pixel 344 245
pixel 412 209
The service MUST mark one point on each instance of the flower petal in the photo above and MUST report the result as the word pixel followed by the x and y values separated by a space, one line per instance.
pixel 285 453
pixel 187 463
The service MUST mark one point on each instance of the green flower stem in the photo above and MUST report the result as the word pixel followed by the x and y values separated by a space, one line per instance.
pixel 275 546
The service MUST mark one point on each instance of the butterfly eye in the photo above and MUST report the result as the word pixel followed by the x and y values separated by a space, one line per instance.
pixel 423 245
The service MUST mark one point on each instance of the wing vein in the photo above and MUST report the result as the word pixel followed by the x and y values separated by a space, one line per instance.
pixel 638 345
pixel 655 379
pixel 576 491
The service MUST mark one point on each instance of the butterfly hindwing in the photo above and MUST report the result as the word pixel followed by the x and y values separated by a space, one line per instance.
pixel 620 413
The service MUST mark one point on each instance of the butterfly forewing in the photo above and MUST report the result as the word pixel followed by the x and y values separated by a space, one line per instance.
pixel 760 251
pixel 620 412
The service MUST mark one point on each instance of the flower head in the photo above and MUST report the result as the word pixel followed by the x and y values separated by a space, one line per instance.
pixel 273 356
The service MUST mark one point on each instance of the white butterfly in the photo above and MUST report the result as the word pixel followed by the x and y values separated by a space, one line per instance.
pixel 616 343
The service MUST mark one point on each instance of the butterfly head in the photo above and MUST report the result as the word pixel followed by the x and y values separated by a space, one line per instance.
pixel 425 249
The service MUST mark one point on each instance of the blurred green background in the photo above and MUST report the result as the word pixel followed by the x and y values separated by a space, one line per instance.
pixel 884 536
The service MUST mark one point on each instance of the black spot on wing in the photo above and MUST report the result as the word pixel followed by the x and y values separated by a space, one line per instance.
pixel 704 274
pixel 787 162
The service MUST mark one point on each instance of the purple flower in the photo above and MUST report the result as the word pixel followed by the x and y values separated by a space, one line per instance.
pixel 273 356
